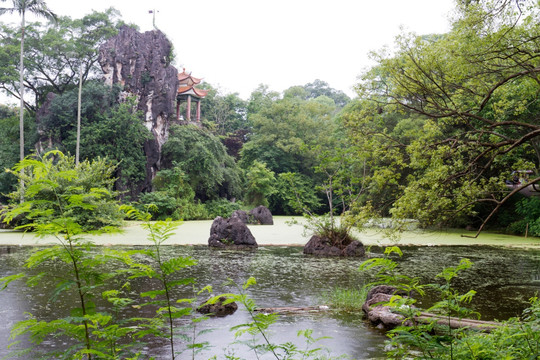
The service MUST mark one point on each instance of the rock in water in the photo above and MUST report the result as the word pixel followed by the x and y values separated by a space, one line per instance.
pixel 141 64
pixel 321 246
pixel 231 233
pixel 218 309
pixel 242 215
pixel 261 215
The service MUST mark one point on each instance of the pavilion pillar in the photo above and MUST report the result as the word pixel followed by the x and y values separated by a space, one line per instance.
pixel 188 110
pixel 199 110
pixel 177 109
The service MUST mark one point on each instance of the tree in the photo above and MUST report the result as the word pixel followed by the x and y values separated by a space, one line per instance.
pixel 293 193
pixel 212 173
pixel 477 88
pixel 172 198
pixel 59 52
pixel 260 184
pixel 321 88
pixel 104 118
pixel 225 113
pixel 57 189
pixel 284 129
pixel 39 8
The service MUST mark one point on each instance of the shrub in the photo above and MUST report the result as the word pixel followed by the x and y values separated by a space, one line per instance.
pixel 221 207
pixel 54 187
pixel 173 198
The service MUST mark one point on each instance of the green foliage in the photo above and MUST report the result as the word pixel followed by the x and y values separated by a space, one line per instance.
pixel 223 113
pixel 343 185
pixel 528 210
pixel 513 339
pixel 320 88
pixel 65 201
pixel 260 184
pixel 58 51
pixel 100 139
pixel 476 101
pixel 221 207
pixel 9 154
pixel 56 189
pixel 102 120
pixel 517 338
pixel 210 171
pixel 173 197
pixel 348 300
pixel 293 193
pixel 283 131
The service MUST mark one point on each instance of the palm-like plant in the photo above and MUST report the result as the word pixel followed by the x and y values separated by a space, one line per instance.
pixel 39 8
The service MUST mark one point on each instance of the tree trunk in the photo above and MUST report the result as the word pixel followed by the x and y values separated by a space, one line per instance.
pixel 78 119
pixel 21 106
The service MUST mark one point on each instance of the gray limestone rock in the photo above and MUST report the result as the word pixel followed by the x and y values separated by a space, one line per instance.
pixel 261 215
pixel 140 62
pixel 232 234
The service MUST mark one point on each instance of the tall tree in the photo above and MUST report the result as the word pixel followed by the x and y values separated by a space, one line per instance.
pixel 38 8
pixel 56 54
pixel 478 88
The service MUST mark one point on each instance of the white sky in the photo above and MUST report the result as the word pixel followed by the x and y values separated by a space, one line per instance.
pixel 238 44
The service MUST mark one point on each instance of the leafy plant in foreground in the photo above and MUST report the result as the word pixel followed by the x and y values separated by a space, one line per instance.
pixel 165 272
pixel 52 207
pixel 435 338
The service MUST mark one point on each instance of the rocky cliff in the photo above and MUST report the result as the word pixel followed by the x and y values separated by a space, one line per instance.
pixel 140 62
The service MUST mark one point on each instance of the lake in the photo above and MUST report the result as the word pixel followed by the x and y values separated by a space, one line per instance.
pixel 505 278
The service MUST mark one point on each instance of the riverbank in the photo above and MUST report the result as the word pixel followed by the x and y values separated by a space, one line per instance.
pixel 280 234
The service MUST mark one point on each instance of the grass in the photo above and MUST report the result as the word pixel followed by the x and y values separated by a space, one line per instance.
pixel 348 300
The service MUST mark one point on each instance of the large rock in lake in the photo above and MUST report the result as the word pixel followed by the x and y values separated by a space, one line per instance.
pixel 322 246
pixel 261 215
pixel 231 233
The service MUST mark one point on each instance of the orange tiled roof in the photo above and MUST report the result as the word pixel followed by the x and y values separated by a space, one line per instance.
pixel 187 79
pixel 192 90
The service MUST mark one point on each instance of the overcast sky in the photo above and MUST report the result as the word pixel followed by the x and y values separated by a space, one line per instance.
pixel 238 44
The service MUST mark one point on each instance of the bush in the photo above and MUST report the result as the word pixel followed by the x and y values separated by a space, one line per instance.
pixel 173 198
pixel 529 211
pixel 54 187
pixel 221 207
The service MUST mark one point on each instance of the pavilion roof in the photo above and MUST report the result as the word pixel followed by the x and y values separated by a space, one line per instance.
pixel 192 91
pixel 187 79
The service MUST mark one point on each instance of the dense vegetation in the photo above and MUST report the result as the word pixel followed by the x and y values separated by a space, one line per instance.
pixel 438 126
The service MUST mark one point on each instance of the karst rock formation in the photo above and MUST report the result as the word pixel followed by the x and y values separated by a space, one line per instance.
pixel 140 62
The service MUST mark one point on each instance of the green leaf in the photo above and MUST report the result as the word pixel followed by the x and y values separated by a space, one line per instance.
pixel 6 280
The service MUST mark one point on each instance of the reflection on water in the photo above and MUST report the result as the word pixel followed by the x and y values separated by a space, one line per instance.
pixel 504 280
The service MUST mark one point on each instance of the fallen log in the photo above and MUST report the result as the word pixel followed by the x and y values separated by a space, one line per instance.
pixel 384 317
pixel 457 323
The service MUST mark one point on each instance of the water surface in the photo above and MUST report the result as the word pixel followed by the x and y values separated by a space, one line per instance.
pixel 504 278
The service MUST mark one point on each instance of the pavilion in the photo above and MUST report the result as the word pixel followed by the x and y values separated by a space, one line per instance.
pixel 189 93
